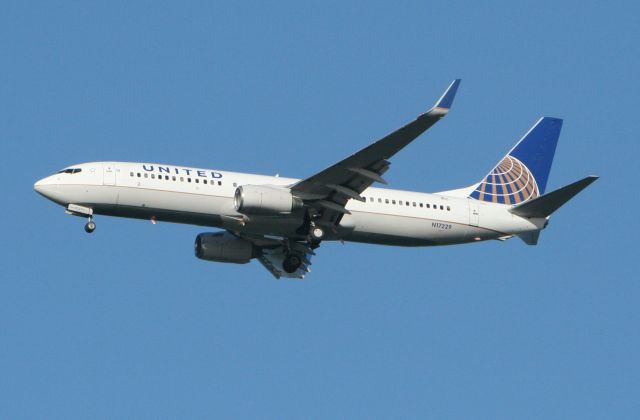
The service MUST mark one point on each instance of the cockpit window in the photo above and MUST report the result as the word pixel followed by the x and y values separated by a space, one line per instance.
pixel 70 171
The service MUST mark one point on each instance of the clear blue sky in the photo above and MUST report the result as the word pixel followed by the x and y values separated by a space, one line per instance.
pixel 127 323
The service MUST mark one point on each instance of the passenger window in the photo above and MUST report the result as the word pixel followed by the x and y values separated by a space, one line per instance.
pixel 379 200
pixel 219 182
pixel 448 208
pixel 146 175
pixel 441 207
pixel 414 204
pixel 197 181
pixel 130 173
pixel 173 178
pixel 386 200
pixel 181 179
pixel 204 181
pixel 393 201
pixel 420 204
pixel 153 176
pixel 188 179
pixel 428 206
pixel 138 174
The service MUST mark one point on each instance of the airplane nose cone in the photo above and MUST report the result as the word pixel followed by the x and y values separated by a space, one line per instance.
pixel 44 187
pixel 38 185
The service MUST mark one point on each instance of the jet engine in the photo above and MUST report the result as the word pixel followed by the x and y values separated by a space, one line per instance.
pixel 265 199
pixel 224 247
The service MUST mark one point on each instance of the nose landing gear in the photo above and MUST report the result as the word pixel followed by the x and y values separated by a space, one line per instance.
pixel 82 211
pixel 90 226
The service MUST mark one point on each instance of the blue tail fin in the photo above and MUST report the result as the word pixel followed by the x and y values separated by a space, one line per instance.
pixel 522 174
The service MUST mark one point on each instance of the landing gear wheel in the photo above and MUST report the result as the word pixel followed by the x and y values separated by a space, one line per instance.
pixel 90 226
pixel 291 263
pixel 317 233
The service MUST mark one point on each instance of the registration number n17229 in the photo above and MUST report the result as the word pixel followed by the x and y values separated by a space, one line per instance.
pixel 438 225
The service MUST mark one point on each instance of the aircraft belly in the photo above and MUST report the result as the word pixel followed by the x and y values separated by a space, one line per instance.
pixel 161 215
pixel 170 206
pixel 404 230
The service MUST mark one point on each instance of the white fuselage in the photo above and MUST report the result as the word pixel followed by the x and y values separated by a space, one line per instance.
pixel 206 197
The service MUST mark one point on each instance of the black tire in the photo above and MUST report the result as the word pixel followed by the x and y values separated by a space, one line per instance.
pixel 291 263
pixel 90 227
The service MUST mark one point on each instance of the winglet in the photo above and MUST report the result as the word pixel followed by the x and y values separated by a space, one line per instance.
pixel 443 104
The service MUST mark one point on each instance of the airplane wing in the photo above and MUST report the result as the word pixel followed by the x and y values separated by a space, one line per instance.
pixel 330 190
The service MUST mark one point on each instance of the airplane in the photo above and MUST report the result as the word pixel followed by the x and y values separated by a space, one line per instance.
pixel 281 221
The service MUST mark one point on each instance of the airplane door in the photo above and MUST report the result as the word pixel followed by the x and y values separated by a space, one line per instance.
pixel 109 174
pixel 474 212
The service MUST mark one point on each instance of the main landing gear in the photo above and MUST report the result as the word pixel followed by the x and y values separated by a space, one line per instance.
pixel 313 232
pixel 316 233
pixel 82 211
pixel 291 263
pixel 90 226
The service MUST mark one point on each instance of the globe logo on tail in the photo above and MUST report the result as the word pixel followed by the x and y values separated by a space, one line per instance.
pixel 511 182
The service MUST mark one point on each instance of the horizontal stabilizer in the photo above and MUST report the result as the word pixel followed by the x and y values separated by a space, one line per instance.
pixel 546 204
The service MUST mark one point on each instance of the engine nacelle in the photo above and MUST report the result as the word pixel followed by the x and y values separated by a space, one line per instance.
pixel 265 199
pixel 224 247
